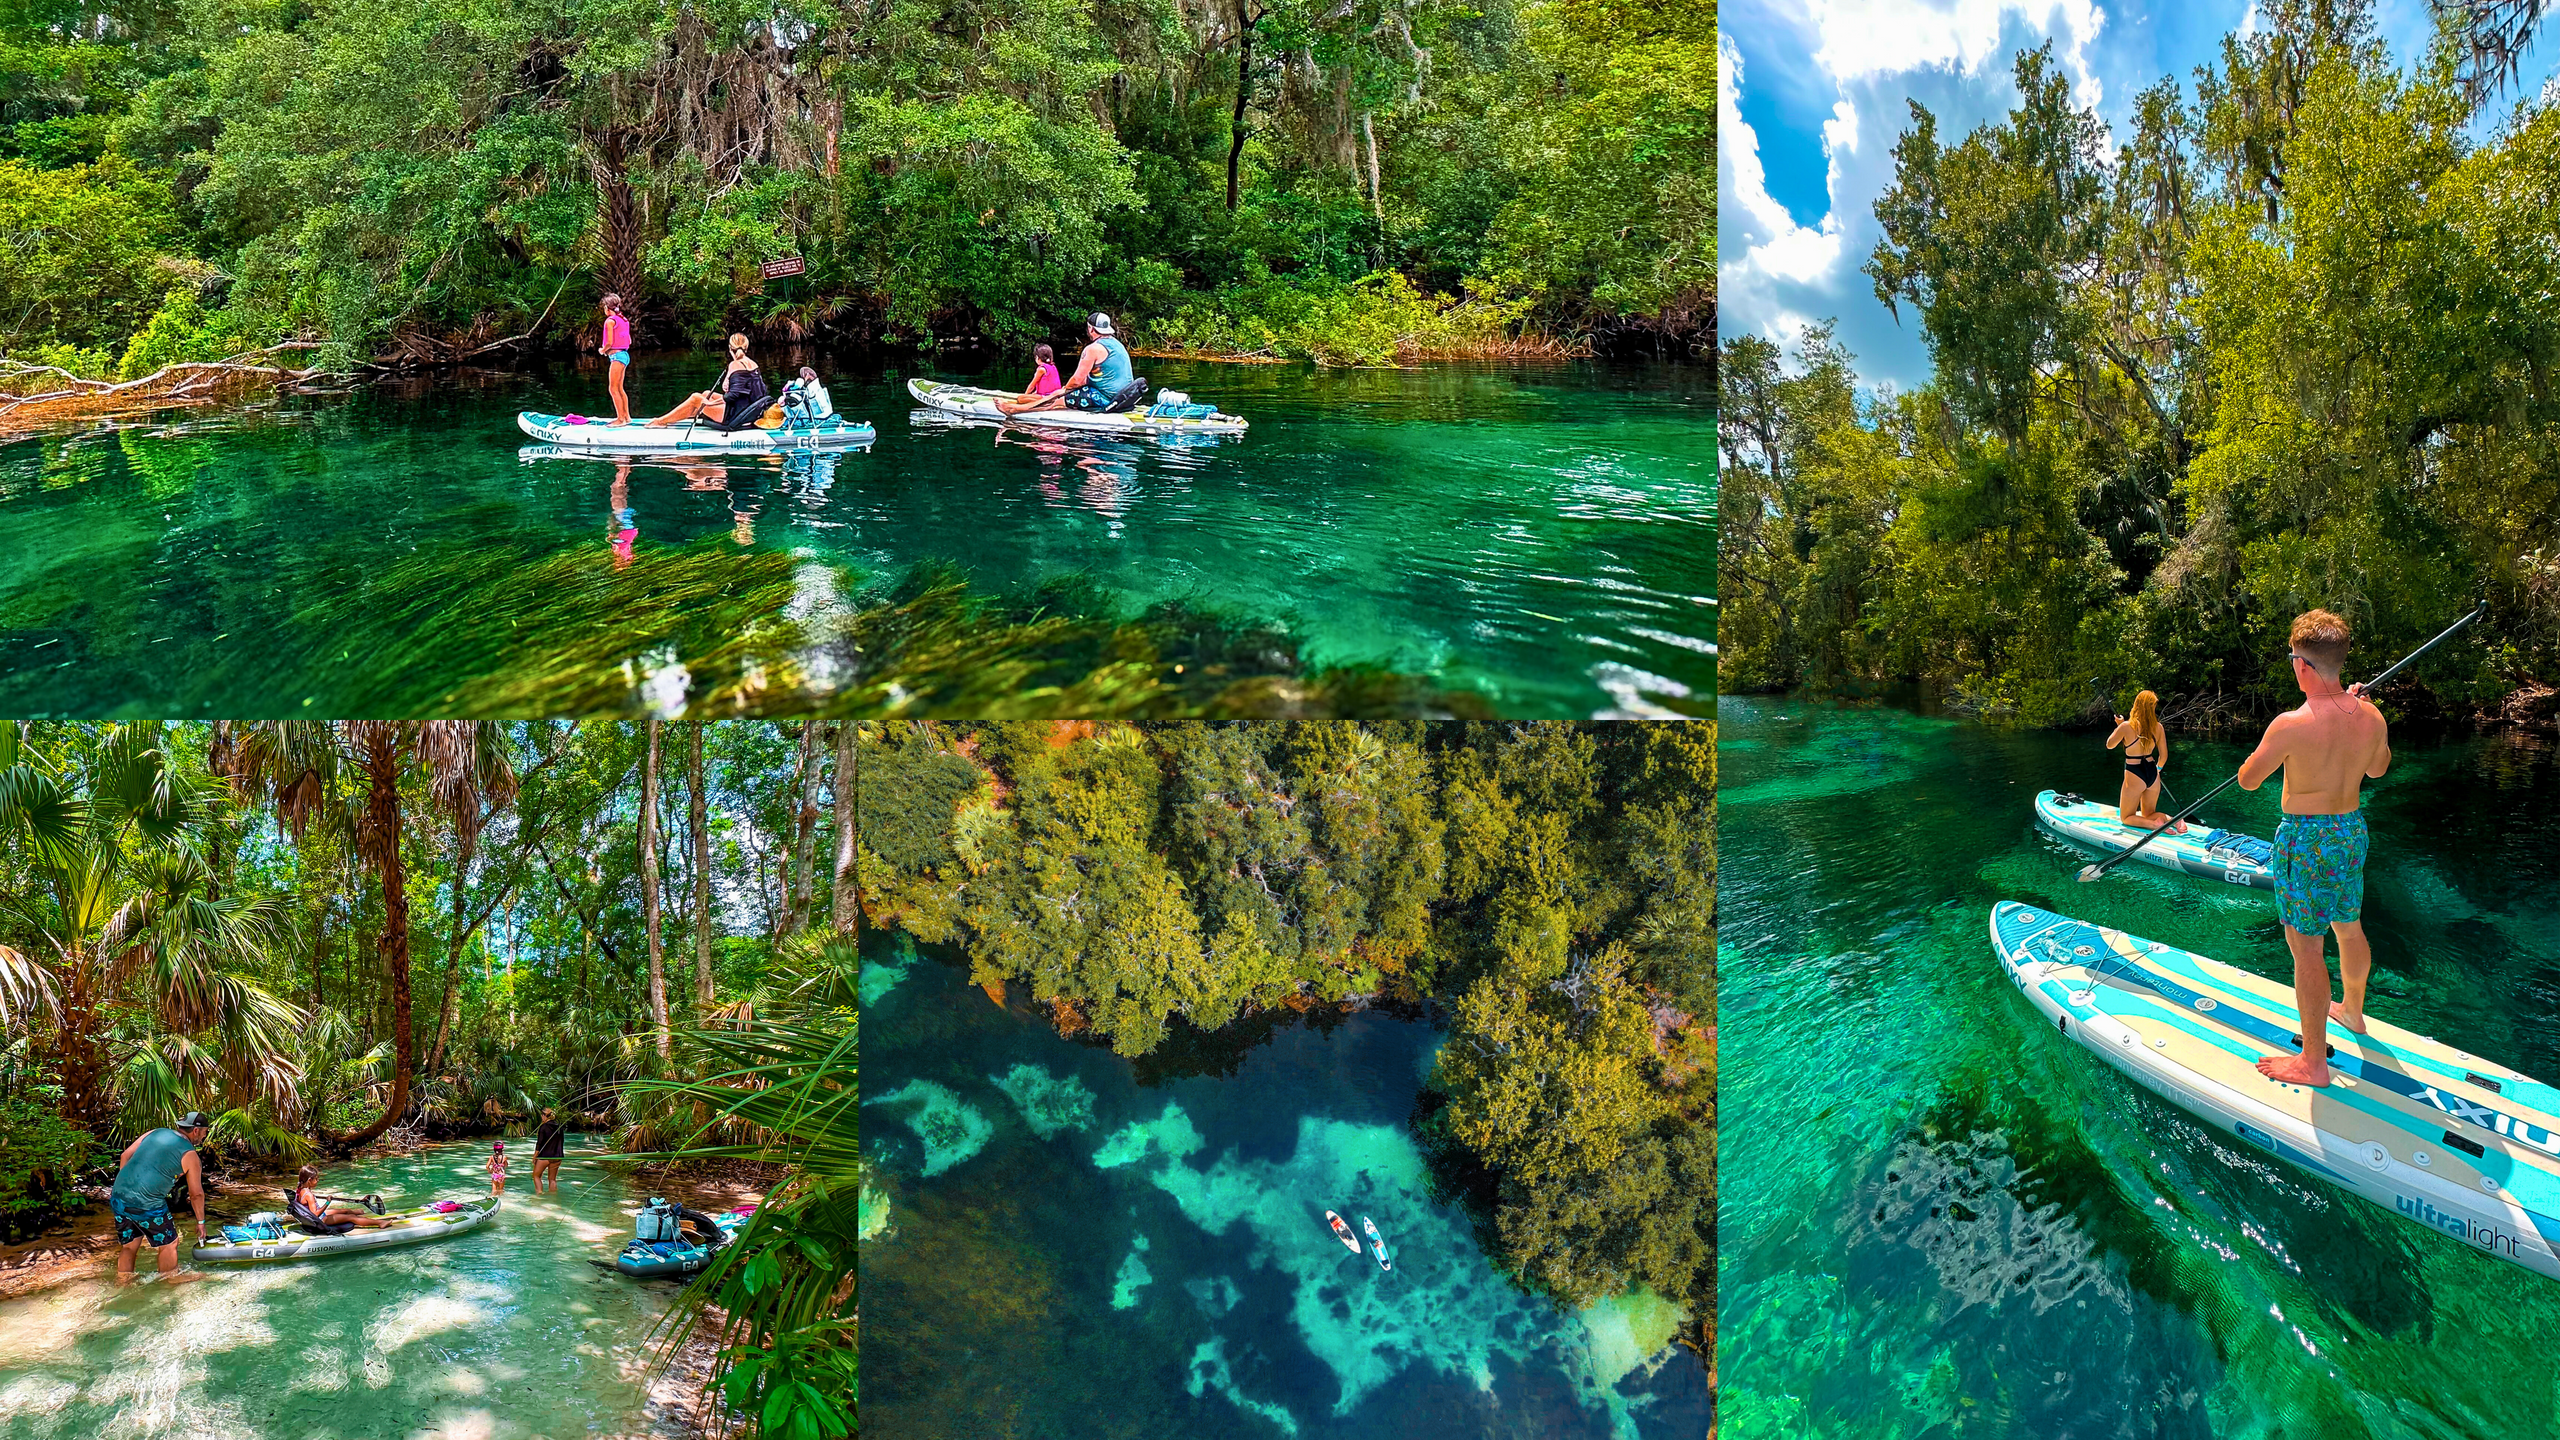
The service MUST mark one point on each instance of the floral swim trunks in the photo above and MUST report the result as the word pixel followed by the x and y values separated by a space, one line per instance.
pixel 2320 870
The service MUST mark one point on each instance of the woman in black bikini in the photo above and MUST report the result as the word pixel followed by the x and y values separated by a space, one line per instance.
pixel 2146 751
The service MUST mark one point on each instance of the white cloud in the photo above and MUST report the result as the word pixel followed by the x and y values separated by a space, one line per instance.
pixel 1867 39
pixel 1779 247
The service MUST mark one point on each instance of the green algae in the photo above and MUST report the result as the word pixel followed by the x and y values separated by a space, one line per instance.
pixel 879 979
pixel 1209 1371
pixel 1050 1104
pixel 1172 1134
pixel 952 1129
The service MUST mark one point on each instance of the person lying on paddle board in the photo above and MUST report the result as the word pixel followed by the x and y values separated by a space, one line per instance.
pixel 616 350
pixel 2146 753
pixel 2327 750
pixel 306 1196
pixel 742 393
pixel 1044 382
pixel 1103 370
pixel 140 1199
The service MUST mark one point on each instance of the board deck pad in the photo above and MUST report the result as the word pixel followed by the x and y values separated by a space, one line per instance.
pixel 2203 851
pixel 2448 1140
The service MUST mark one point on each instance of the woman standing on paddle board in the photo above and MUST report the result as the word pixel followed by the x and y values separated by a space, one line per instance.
pixel 2146 754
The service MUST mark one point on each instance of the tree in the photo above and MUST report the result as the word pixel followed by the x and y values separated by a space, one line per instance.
pixel 649 896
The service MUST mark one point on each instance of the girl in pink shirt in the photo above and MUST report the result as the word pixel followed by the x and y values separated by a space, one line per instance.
pixel 617 353
pixel 1044 382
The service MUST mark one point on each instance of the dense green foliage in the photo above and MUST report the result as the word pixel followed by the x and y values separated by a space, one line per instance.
pixel 628 923
pixel 1552 884
pixel 430 179
pixel 2292 345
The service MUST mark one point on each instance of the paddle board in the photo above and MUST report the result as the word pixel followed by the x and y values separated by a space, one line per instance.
pixel 981 404
pixel 2444 1139
pixel 832 433
pixel 1377 1245
pixel 1341 1231
pixel 2203 851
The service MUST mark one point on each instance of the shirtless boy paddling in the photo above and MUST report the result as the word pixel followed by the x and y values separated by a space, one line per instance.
pixel 2327 750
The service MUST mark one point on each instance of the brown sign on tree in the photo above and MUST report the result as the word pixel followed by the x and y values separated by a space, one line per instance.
pixel 776 269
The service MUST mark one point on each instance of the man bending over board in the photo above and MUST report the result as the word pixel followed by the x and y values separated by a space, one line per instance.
pixel 2326 749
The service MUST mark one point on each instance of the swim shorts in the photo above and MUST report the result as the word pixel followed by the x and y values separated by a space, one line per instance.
pixel 620 357
pixel 1087 396
pixel 2320 870
pixel 153 1223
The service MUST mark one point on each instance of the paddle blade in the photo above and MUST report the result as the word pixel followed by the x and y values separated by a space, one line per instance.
pixel 2089 873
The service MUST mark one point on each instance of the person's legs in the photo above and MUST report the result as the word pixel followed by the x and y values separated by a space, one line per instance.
pixel 124 1260
pixel 621 399
pixel 2355 966
pixel 2129 800
pixel 691 407
pixel 2311 1005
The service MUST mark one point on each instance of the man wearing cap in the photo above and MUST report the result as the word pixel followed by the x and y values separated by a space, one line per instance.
pixel 1102 371
pixel 151 1164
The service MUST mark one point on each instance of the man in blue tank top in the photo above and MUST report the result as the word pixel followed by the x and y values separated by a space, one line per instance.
pixel 150 1165
pixel 1102 371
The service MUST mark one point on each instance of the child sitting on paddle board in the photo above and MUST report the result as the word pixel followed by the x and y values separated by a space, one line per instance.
pixel 498 1168
pixel 1044 382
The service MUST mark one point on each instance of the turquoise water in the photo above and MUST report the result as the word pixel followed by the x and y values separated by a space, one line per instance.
pixel 1076 1246
pixel 500 1332
pixel 1939 1217
pixel 1542 538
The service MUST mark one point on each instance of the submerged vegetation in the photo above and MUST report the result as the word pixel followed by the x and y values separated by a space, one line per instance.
pixel 326 933
pixel 414 182
pixel 2290 345
pixel 1548 888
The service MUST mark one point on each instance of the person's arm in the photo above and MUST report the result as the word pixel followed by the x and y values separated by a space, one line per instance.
pixel 194 1169
pixel 2120 734
pixel 2381 750
pixel 127 1157
pixel 1085 362
pixel 2268 758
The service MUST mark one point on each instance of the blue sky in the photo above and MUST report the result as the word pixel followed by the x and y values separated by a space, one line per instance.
pixel 1813 94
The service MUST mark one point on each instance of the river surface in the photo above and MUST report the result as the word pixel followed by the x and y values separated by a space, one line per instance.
pixel 503 1331
pixel 1073 1245
pixel 1940 1217
pixel 1542 538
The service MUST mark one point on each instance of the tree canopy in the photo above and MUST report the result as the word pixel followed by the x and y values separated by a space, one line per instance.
pixel 2289 345
pixel 429 180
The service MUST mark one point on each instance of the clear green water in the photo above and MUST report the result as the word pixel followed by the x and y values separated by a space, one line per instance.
pixel 1542 537
pixel 1940 1218
pixel 1075 1246
pixel 503 1331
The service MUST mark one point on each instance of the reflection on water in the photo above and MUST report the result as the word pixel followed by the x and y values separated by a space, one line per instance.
pixel 1541 537
pixel 1067 1246
pixel 504 1331
pixel 1941 1218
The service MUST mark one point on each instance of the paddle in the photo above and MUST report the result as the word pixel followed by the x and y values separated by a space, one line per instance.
pixel 2092 872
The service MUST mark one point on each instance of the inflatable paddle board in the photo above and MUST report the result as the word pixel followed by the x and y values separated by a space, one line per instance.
pixel 1341 1231
pixel 2205 852
pixel 2439 1137
pixel 980 404
pixel 832 433
pixel 416 1226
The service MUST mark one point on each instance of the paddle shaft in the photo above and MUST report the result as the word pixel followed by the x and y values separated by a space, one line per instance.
pixel 2094 871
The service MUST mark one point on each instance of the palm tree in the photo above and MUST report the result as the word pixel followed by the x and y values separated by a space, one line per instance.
pixel 296 765
pixel 113 835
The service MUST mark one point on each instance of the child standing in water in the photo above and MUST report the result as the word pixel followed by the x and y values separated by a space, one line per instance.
pixel 616 350
pixel 498 1168
pixel 1044 382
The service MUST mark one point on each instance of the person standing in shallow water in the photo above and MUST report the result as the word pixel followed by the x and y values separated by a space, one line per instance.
pixel 2327 750
pixel 550 1146
pixel 498 1167
pixel 140 1200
